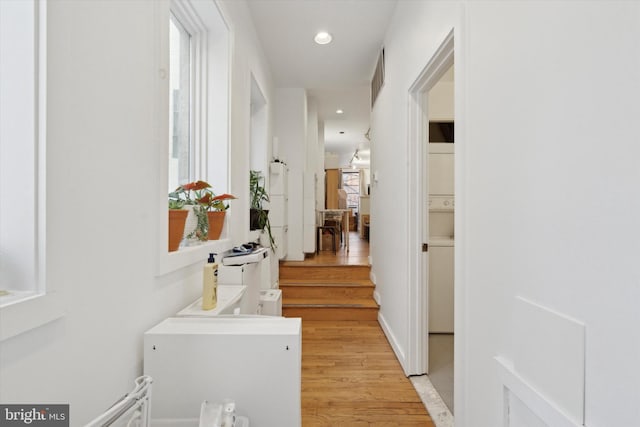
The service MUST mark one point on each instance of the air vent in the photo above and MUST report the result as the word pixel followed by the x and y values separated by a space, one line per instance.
pixel 378 78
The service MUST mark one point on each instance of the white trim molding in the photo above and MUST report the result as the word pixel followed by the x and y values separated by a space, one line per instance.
pixel 41 302
pixel 535 401
pixel 211 48
pixel 418 303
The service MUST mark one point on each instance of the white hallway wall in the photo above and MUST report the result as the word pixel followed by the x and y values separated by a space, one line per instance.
pixel 248 59
pixel 547 111
pixel 101 160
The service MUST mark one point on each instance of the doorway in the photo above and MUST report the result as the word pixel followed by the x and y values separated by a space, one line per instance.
pixel 440 195
pixel 421 243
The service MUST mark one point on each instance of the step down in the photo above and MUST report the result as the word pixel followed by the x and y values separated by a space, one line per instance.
pixel 327 292
pixel 325 273
pixel 344 290
pixel 331 313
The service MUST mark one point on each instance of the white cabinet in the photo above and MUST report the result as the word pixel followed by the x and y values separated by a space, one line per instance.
pixel 280 236
pixel 309 212
pixel 364 205
pixel 279 206
pixel 441 286
pixel 277 179
pixel 255 361
pixel 441 169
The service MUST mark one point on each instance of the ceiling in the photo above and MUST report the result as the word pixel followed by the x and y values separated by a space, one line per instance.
pixel 337 75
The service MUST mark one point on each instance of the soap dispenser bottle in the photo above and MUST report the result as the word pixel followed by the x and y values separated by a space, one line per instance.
pixel 210 284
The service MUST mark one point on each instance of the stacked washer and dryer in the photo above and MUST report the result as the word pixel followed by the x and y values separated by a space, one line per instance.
pixel 242 350
pixel 441 237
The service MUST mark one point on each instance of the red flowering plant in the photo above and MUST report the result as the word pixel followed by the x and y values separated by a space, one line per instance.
pixel 188 194
pixel 213 202
pixel 183 193
pixel 199 195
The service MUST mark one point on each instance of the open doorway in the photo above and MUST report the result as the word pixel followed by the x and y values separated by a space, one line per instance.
pixel 440 194
pixel 426 249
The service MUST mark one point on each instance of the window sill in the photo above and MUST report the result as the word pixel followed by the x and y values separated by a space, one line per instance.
pixel 24 311
pixel 169 262
pixel 15 297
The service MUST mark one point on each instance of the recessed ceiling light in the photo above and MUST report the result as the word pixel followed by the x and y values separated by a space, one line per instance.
pixel 339 111
pixel 323 38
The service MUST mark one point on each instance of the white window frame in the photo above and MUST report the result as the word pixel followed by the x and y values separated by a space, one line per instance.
pixel 210 38
pixel 192 151
pixel 43 302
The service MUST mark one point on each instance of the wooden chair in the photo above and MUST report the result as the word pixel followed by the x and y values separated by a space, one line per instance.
pixel 323 226
pixel 320 229
pixel 334 220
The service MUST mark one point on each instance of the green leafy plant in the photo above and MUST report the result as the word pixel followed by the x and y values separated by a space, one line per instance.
pixel 188 194
pixel 176 204
pixel 259 195
pixel 257 191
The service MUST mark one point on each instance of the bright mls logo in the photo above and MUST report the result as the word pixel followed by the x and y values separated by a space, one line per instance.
pixel 34 415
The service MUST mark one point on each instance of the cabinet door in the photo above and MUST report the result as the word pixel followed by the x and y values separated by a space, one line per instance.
pixel 441 289
pixel 278 211
pixel 278 179
pixel 332 183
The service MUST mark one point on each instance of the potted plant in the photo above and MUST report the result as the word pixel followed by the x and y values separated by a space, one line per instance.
pixel 216 210
pixel 258 216
pixel 197 223
pixel 177 219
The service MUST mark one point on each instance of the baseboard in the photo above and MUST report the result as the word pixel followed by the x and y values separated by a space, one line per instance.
pixel 392 341
pixel 372 277
pixel 376 297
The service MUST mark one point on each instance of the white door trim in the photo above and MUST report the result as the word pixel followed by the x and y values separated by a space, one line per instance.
pixel 417 214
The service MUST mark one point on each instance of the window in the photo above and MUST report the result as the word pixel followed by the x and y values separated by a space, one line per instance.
pixel 180 141
pixel 193 88
pixel 351 184
pixel 25 301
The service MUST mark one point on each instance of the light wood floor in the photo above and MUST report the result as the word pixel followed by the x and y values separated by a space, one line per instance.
pixel 351 378
pixel 358 254
pixel 350 375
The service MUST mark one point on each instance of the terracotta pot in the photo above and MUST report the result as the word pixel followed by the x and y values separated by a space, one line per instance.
pixel 177 219
pixel 216 222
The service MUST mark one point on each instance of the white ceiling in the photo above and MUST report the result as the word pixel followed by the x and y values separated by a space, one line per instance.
pixel 336 75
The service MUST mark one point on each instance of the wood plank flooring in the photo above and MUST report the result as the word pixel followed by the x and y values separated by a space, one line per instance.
pixel 351 378
pixel 330 286
pixel 358 254
pixel 350 375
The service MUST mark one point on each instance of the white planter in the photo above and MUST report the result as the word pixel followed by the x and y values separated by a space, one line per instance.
pixel 191 224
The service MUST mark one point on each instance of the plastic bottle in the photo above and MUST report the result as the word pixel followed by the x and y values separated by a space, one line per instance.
pixel 210 284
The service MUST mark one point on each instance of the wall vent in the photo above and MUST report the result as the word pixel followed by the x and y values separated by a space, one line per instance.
pixel 378 78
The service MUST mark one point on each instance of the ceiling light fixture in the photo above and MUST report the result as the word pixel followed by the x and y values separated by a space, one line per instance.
pixel 341 132
pixel 354 158
pixel 323 38
pixel 339 111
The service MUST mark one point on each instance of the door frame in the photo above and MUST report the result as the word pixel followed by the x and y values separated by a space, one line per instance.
pixel 418 219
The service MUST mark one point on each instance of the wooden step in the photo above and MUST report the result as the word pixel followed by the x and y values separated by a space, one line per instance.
pixel 345 290
pixel 330 309
pixel 324 273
